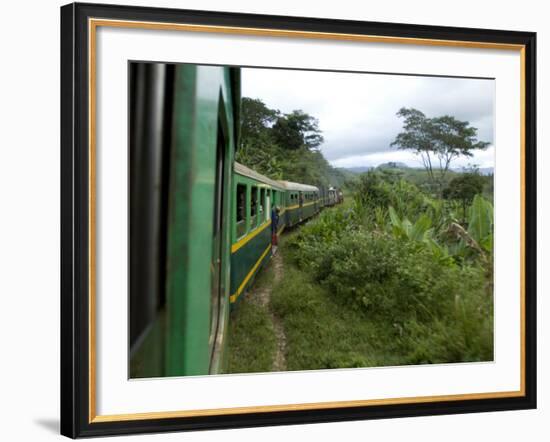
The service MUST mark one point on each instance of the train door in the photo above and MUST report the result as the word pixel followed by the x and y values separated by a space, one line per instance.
pixel 217 240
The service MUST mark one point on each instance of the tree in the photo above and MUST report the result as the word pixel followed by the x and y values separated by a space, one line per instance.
pixel 297 130
pixel 256 120
pixel 464 188
pixel 438 141
pixel 256 147
pixel 284 146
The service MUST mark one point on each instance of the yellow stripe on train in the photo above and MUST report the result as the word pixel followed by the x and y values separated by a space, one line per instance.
pixel 241 242
pixel 234 296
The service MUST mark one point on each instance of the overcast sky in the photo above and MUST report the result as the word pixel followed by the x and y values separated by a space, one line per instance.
pixel 357 112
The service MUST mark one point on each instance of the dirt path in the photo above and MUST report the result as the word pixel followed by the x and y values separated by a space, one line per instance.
pixel 279 361
pixel 263 298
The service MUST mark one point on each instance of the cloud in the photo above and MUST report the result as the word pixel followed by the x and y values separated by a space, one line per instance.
pixel 481 158
pixel 357 112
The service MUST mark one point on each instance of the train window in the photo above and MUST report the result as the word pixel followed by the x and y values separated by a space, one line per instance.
pixel 241 210
pixel 253 206
pixel 261 207
pixel 150 113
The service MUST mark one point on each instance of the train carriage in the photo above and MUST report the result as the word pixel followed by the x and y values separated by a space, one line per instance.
pixel 302 202
pixel 200 223
pixel 179 244
pixel 254 196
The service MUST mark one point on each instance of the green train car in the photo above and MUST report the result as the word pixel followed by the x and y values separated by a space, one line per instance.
pixel 184 124
pixel 302 202
pixel 200 223
pixel 254 196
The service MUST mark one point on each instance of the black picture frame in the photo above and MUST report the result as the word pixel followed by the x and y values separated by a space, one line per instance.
pixel 75 219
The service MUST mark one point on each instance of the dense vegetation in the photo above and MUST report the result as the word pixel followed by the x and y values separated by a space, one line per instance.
pixel 285 146
pixel 400 274
pixel 404 262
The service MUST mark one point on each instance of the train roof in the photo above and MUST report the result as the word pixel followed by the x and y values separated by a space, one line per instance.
pixel 245 171
pixel 285 185
pixel 289 185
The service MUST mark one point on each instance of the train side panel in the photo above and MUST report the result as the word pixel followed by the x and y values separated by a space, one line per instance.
pixel 184 333
pixel 253 201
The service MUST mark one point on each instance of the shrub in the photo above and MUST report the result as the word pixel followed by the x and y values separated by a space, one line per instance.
pixel 397 279
pixel 401 260
pixel 308 245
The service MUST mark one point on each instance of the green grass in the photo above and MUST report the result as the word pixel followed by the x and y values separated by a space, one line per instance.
pixel 252 341
pixel 348 201
pixel 324 330
pixel 322 333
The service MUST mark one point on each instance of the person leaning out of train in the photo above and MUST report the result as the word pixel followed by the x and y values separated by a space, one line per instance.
pixel 274 223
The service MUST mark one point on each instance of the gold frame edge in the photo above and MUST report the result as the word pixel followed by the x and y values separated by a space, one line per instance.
pixel 93 23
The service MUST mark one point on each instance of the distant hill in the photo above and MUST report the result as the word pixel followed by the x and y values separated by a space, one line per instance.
pixel 360 169
pixel 486 170
pixel 397 165
pixel 346 173
pixel 482 170
pixel 392 165
pixel 363 169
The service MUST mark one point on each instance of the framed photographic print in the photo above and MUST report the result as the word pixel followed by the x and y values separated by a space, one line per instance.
pixel 274 220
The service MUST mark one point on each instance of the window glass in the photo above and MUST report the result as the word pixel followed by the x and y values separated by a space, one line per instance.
pixel 268 204
pixel 150 112
pixel 241 210
pixel 261 207
pixel 253 206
